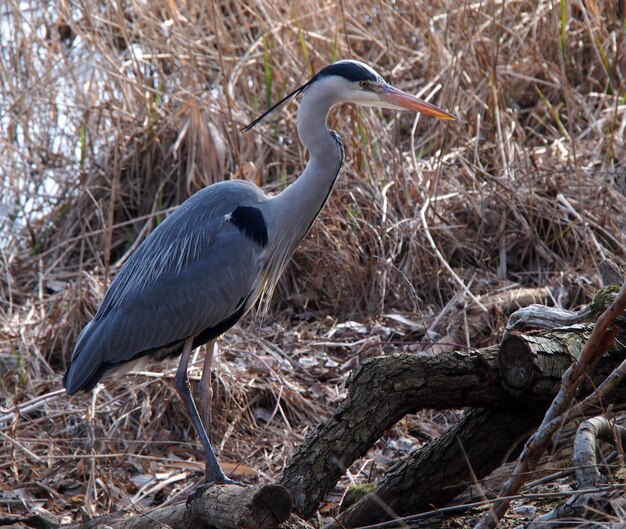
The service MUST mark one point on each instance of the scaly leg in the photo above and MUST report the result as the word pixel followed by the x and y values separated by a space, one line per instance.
pixel 205 388
pixel 206 391
pixel 214 473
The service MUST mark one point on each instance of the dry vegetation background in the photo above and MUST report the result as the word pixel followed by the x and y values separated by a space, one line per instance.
pixel 112 113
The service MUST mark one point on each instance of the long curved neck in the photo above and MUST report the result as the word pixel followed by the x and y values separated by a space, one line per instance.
pixel 304 198
pixel 291 213
pixel 297 206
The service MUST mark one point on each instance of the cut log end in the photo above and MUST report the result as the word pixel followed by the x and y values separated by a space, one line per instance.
pixel 233 507
pixel 516 363
pixel 275 500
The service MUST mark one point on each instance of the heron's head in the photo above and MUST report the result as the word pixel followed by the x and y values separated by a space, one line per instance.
pixel 351 81
pixel 356 82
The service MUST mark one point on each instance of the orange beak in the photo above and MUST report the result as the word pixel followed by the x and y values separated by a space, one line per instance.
pixel 394 98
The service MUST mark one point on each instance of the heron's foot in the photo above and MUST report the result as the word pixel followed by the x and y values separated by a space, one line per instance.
pixel 223 480
pixel 214 475
pixel 226 481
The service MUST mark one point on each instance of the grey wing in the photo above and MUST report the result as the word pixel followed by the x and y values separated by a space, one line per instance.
pixel 195 274
pixel 185 302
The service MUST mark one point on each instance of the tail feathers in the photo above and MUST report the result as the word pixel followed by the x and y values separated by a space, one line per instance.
pixel 84 370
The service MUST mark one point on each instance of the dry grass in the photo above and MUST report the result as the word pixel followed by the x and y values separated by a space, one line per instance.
pixel 113 113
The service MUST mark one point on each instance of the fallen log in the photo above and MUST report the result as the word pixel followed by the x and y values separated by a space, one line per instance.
pixel 219 507
pixel 384 389
pixel 431 477
pixel 380 392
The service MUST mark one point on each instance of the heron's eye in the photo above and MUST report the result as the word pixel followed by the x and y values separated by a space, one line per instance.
pixel 364 84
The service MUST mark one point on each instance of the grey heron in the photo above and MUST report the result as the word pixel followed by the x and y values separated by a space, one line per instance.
pixel 204 267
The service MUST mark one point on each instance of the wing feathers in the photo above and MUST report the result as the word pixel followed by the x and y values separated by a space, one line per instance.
pixel 188 276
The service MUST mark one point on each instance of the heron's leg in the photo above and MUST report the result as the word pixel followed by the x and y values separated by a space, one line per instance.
pixel 214 472
pixel 205 389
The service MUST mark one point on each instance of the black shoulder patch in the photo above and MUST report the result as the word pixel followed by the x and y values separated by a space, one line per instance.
pixel 352 71
pixel 249 221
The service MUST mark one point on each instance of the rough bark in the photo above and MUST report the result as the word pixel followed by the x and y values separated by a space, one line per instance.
pixel 219 507
pixel 601 339
pixel 380 393
pixel 432 476
pixel 384 389
pixel 124 521
pixel 531 364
